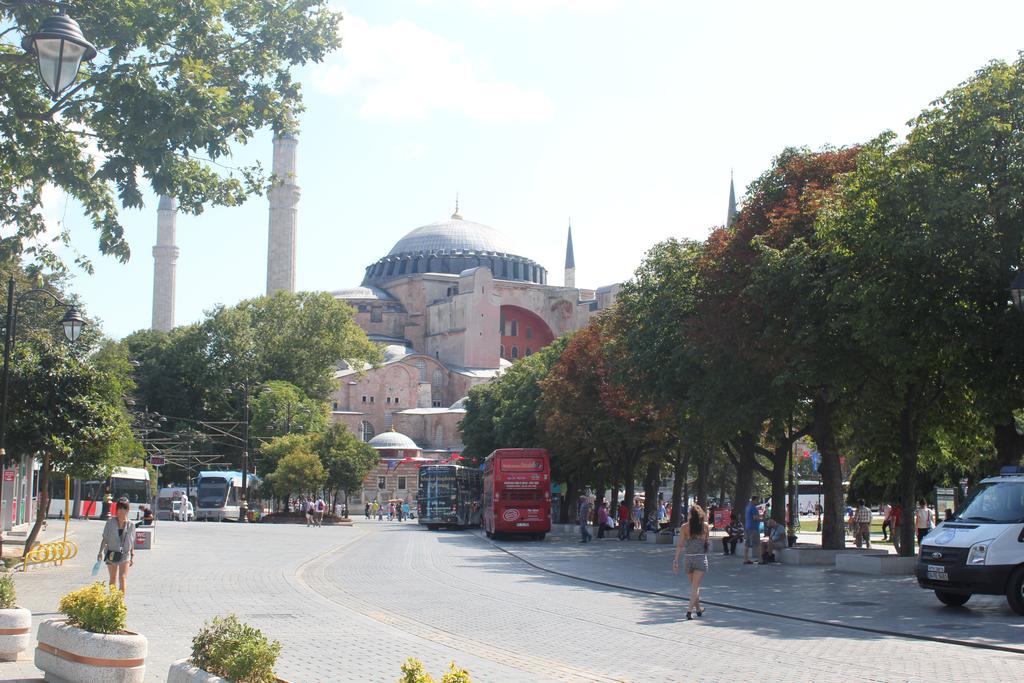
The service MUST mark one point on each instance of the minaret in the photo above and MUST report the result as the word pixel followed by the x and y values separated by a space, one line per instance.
pixel 165 259
pixel 570 262
pixel 284 200
pixel 730 217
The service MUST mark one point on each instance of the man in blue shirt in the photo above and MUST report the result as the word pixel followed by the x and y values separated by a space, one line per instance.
pixel 751 523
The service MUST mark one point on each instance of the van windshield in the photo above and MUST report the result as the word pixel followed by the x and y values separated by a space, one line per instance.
pixel 1000 502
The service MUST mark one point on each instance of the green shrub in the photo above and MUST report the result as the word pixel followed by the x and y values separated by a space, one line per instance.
pixel 230 649
pixel 98 608
pixel 7 596
pixel 413 671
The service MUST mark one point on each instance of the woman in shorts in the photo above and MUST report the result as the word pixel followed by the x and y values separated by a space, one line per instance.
pixel 693 541
pixel 117 548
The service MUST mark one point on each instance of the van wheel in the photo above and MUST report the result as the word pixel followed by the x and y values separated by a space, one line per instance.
pixel 540 537
pixel 433 527
pixel 952 599
pixel 1015 591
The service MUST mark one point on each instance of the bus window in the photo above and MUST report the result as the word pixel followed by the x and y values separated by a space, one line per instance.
pixel 135 490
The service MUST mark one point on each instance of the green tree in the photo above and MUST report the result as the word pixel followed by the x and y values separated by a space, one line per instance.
pixel 346 459
pixel 279 408
pixel 66 411
pixel 275 450
pixel 177 85
pixel 299 472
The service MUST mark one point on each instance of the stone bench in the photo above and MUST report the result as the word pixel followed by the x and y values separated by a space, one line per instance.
pixel 878 565
pixel 813 555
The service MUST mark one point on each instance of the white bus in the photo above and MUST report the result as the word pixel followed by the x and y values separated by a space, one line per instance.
pixel 219 495
pixel 86 497
pixel 809 492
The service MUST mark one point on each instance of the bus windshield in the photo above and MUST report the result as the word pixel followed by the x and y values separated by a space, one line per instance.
pixel 135 490
pixel 212 492
pixel 1000 502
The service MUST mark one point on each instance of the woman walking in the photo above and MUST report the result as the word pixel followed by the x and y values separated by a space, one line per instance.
pixel 117 548
pixel 693 540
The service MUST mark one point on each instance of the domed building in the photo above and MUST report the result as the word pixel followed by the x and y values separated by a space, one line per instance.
pixel 453 303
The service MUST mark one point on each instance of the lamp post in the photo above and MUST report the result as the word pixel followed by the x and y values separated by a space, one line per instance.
pixel 244 505
pixel 58 46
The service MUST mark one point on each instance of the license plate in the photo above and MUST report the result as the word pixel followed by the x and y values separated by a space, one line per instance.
pixel 522 524
pixel 937 572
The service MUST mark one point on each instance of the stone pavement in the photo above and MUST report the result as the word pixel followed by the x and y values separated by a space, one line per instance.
pixel 351 603
pixel 883 603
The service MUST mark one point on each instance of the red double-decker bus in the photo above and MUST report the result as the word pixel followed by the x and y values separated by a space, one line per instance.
pixel 517 492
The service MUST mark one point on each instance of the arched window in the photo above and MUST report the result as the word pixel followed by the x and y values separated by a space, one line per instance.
pixel 439 437
pixel 436 387
pixel 366 431
pixel 515 329
pixel 421 365
pixel 389 420
pixel 529 352
pixel 515 352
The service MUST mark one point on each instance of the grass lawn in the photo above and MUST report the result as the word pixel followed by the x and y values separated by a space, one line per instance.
pixel 811 524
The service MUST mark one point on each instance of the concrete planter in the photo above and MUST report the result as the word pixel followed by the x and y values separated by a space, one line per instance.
pixel 182 671
pixel 15 632
pixel 68 653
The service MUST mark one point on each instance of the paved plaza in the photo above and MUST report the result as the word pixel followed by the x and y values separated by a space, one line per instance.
pixel 351 603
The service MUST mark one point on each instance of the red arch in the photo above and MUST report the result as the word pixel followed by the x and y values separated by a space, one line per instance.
pixel 531 333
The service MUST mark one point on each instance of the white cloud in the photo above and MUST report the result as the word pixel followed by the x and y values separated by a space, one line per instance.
pixel 402 71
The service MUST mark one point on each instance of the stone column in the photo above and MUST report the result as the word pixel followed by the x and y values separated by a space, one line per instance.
pixel 284 201
pixel 165 260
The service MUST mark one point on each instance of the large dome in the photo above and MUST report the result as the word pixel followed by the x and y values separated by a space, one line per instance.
pixel 451 236
pixel 451 247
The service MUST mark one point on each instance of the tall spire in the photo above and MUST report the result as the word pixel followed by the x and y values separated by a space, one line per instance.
pixel 570 261
pixel 731 216
pixel 455 214
pixel 284 202
pixel 165 260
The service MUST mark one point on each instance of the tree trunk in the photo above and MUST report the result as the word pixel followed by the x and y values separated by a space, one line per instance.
pixel 833 533
pixel 682 464
pixel 778 478
pixel 703 469
pixel 44 491
pixel 651 480
pixel 744 472
pixel 567 513
pixel 629 480
pixel 614 505
pixel 908 478
pixel 1008 442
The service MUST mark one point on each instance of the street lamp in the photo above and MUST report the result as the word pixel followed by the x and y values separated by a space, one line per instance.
pixel 244 506
pixel 59 47
pixel 72 324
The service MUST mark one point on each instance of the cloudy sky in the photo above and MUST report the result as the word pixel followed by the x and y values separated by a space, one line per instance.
pixel 627 117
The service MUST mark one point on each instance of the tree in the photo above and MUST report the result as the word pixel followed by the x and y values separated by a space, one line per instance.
pixel 299 472
pixel 279 408
pixel 66 411
pixel 275 450
pixel 346 459
pixel 176 86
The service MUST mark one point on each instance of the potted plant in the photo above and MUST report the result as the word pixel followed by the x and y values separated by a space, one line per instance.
pixel 15 622
pixel 228 650
pixel 91 643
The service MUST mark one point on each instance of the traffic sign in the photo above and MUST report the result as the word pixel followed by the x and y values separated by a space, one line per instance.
pixel 157 460
pixel 8 475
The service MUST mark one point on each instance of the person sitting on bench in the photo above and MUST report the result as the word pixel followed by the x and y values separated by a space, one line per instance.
pixel 776 540
pixel 733 535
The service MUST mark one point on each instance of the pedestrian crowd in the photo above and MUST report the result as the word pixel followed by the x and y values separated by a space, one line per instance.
pixel 392 510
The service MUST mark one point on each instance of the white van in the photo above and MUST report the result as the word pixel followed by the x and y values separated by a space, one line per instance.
pixel 982 550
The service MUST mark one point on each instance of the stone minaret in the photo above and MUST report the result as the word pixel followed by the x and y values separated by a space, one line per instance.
pixel 570 262
pixel 284 200
pixel 730 217
pixel 165 260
